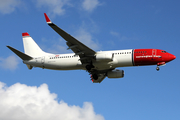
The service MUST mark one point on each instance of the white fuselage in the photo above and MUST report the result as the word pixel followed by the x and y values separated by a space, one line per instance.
pixel 71 61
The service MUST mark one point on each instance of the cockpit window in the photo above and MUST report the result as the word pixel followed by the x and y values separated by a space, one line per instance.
pixel 163 51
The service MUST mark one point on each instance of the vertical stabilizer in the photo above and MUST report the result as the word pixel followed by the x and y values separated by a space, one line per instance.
pixel 30 46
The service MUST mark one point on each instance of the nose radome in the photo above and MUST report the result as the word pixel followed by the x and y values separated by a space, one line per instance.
pixel 173 57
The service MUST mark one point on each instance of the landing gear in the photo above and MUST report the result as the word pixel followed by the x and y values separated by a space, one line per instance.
pixel 89 67
pixel 95 76
pixel 157 68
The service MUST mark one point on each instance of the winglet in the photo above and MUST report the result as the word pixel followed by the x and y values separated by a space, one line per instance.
pixel 25 34
pixel 47 18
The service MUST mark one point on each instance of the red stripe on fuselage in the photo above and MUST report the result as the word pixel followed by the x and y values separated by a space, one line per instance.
pixel 151 56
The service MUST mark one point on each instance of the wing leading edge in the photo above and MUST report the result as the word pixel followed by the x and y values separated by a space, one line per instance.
pixel 77 47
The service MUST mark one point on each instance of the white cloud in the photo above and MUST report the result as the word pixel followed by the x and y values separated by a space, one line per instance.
pixel 90 5
pixel 10 62
pixel 8 6
pixel 55 46
pixel 22 102
pixel 58 48
pixel 54 7
pixel 116 34
pixel 123 37
pixel 86 38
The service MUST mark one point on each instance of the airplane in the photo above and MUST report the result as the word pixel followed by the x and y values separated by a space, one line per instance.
pixel 99 64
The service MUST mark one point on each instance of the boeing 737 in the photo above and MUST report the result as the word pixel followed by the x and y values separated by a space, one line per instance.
pixel 99 64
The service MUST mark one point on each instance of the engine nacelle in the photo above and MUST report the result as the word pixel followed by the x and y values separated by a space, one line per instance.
pixel 104 57
pixel 115 74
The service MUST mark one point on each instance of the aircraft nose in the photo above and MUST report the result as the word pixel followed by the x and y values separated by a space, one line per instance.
pixel 172 57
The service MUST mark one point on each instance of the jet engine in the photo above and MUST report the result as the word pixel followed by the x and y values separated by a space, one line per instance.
pixel 115 74
pixel 104 57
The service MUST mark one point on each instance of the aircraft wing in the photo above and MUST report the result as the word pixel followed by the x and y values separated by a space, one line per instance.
pixel 85 53
pixel 76 46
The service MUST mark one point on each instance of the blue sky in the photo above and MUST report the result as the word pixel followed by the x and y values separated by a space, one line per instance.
pixel 142 94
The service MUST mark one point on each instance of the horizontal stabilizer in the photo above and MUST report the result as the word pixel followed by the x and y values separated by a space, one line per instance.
pixel 23 56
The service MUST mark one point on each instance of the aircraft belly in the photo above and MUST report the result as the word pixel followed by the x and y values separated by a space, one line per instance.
pixel 63 64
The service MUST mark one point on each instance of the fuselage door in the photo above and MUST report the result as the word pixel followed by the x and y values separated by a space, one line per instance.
pixel 154 53
pixel 42 60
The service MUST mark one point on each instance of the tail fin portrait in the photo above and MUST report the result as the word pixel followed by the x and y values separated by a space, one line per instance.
pixel 30 46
